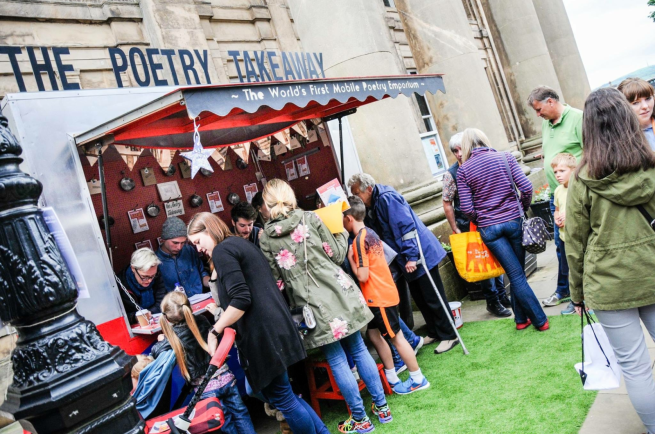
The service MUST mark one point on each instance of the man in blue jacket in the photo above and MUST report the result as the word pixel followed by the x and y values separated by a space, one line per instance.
pixel 389 214
pixel 180 263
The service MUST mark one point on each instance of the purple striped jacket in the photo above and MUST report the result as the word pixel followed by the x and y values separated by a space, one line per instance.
pixel 485 190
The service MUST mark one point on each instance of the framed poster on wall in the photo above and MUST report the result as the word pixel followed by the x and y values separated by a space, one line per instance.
pixel 138 220
pixel 290 168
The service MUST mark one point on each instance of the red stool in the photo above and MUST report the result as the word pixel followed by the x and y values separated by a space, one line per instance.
pixel 329 389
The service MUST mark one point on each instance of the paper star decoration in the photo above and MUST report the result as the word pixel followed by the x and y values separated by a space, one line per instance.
pixel 199 157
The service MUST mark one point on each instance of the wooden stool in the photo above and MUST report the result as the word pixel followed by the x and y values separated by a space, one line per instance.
pixel 329 389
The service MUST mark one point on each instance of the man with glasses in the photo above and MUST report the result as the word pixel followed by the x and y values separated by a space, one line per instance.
pixel 180 263
pixel 142 284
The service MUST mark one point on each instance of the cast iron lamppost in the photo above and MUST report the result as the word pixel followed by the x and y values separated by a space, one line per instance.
pixel 66 377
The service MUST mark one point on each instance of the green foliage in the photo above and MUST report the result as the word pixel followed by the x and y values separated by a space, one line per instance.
pixel 652 14
pixel 512 382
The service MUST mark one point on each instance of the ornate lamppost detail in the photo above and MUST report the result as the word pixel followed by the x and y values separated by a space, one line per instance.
pixel 66 377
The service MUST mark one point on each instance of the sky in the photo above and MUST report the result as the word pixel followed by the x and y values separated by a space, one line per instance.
pixel 615 37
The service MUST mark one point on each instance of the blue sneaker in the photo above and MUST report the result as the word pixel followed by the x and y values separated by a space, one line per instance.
pixel 417 344
pixel 408 386
pixel 400 366
pixel 570 309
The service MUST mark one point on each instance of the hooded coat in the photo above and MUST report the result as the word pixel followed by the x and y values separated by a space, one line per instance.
pixel 610 246
pixel 336 301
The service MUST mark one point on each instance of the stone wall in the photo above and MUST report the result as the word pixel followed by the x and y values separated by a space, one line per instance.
pixel 90 27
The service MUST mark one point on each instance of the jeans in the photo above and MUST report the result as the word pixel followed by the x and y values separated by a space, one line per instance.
pixel 504 241
pixel 302 419
pixel 251 393
pixel 627 340
pixel 563 270
pixel 409 335
pixel 368 371
pixel 237 418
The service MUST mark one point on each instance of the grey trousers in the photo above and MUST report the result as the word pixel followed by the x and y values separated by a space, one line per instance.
pixel 627 339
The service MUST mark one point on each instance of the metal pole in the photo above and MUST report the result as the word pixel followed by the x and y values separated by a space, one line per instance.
pixel 103 194
pixel 343 170
pixel 434 286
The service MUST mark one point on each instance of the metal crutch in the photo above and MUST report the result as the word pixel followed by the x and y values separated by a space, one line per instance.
pixel 421 261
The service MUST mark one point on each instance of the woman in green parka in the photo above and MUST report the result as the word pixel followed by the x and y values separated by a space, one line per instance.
pixel 305 258
pixel 610 243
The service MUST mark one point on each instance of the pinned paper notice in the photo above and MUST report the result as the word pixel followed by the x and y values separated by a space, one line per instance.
pixel 332 216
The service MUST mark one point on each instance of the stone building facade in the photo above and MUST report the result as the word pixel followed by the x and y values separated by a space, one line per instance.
pixel 492 52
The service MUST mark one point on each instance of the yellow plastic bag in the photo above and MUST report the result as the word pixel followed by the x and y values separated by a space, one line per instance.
pixel 473 260
pixel 332 216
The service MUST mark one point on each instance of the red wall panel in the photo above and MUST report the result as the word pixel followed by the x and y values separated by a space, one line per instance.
pixel 322 165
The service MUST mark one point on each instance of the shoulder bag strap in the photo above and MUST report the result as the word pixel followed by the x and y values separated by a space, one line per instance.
pixel 647 216
pixel 511 180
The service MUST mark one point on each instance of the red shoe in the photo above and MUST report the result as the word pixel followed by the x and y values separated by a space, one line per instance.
pixel 523 326
pixel 544 327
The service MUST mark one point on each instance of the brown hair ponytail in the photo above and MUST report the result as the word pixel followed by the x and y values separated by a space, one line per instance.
pixel 175 308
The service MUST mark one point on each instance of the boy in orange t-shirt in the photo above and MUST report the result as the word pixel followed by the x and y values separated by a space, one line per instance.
pixel 366 257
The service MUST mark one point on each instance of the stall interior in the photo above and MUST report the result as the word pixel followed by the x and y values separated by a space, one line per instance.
pixel 301 155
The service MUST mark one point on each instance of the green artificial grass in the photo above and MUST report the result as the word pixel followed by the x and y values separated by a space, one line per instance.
pixel 511 382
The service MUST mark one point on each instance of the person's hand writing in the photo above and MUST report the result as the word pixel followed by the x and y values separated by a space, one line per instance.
pixel 410 266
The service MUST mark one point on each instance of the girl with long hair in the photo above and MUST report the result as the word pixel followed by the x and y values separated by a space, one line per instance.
pixel 267 338
pixel 185 335
pixel 610 241
pixel 641 96
pixel 305 258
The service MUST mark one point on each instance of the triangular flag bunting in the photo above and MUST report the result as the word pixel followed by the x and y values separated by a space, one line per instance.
pixel 92 159
pixel 129 154
pixel 220 156
pixel 283 137
pixel 242 150
pixel 300 128
pixel 164 157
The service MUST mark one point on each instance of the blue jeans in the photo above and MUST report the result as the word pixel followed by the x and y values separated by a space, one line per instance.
pixel 237 418
pixel 563 270
pixel 504 241
pixel 493 289
pixel 302 419
pixel 251 393
pixel 366 367
pixel 409 335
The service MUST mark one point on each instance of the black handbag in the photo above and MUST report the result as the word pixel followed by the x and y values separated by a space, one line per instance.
pixel 535 233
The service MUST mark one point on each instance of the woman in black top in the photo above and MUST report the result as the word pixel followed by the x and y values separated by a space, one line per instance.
pixel 267 338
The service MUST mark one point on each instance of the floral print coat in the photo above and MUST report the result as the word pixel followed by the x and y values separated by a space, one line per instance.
pixel 337 302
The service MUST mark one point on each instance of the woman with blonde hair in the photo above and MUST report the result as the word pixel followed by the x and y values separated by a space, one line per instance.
pixel 487 182
pixel 185 335
pixel 305 258
pixel 640 95
pixel 267 338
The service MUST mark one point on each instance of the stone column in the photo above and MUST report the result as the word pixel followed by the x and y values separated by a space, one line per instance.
pixel 527 61
pixel 355 41
pixel 563 51
pixel 441 41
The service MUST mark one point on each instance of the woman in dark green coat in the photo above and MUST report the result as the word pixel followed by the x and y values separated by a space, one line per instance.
pixel 610 243
pixel 305 258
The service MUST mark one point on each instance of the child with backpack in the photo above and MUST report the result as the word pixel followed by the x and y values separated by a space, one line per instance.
pixel 366 256
pixel 186 336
